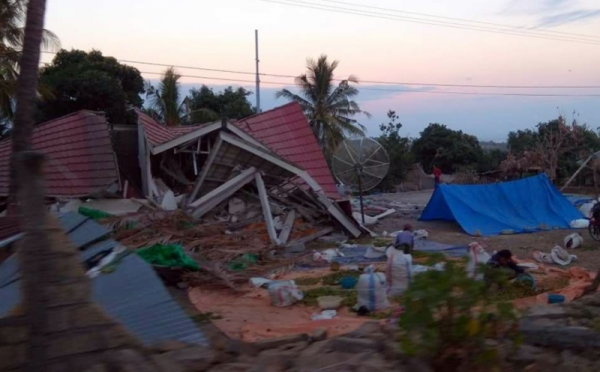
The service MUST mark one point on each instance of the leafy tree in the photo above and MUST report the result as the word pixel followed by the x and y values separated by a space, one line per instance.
pixel 89 81
pixel 490 160
pixel 165 102
pixel 12 16
pixel 398 149
pixel 557 144
pixel 446 148
pixel 204 105
pixel 330 109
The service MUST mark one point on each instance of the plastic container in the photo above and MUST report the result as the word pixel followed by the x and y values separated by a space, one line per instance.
pixel 556 299
pixel 329 302
pixel 348 282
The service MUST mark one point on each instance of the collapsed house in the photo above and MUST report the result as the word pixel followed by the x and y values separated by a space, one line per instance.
pixel 273 156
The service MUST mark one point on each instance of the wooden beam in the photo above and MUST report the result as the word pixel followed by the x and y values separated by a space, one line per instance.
pixel 264 202
pixel 312 237
pixel 284 235
pixel 218 195
pixel 205 168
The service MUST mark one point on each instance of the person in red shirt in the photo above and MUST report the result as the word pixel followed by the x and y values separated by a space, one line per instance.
pixel 437 175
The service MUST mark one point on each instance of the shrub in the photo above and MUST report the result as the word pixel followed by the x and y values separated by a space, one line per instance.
pixel 448 317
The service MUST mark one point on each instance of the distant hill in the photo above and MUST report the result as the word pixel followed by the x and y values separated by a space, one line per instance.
pixel 491 145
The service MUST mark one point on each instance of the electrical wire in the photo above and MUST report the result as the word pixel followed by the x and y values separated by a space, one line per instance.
pixel 463 20
pixel 361 80
pixel 308 5
pixel 393 90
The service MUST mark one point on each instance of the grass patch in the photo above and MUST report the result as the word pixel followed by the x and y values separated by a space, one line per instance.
pixel 590 248
pixel 349 296
pixel 379 242
pixel 432 258
pixel 334 278
pixel 307 280
pixel 363 240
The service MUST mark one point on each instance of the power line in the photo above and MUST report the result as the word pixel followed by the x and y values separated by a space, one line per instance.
pixel 462 19
pixel 362 81
pixel 394 90
pixel 308 5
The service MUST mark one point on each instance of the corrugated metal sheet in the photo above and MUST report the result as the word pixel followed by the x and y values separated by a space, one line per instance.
pixel 9 226
pixel 285 131
pixel 80 155
pixel 82 230
pixel 157 134
pixel 133 295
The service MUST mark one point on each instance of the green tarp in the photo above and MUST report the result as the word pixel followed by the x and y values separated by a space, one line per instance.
pixel 171 255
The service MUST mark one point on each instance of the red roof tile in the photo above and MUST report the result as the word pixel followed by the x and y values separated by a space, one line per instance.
pixel 285 131
pixel 157 134
pixel 80 155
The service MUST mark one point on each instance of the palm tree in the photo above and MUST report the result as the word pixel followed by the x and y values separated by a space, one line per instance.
pixel 12 16
pixel 165 102
pixel 35 244
pixel 330 109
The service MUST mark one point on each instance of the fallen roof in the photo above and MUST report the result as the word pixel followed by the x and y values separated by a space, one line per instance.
pixel 230 153
pixel 285 131
pixel 133 294
pixel 527 205
pixel 162 138
pixel 80 160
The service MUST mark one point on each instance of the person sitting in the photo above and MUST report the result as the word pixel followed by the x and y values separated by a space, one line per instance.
pixel 405 240
pixel 503 260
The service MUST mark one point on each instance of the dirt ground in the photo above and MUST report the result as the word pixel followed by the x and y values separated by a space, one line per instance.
pixel 522 245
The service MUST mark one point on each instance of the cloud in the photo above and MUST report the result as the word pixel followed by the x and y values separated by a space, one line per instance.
pixel 568 17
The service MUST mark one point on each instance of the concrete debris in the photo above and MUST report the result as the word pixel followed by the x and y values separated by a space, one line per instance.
pixel 168 202
pixel 116 207
pixel 236 206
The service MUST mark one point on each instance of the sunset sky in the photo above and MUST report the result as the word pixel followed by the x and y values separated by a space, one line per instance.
pixel 219 34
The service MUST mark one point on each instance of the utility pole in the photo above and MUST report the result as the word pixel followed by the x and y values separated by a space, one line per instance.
pixel 257 74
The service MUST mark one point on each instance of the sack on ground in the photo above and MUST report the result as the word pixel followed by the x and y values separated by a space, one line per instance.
pixel 398 272
pixel 371 290
pixel 581 223
pixel 477 256
pixel 284 293
pixel 573 241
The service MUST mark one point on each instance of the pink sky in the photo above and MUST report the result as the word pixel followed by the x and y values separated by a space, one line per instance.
pixel 220 34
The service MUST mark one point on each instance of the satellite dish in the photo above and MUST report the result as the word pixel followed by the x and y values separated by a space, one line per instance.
pixel 361 164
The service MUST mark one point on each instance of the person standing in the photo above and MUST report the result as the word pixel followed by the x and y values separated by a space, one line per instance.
pixel 437 175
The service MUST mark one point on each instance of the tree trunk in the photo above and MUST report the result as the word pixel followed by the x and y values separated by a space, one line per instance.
pixel 30 195
pixel 26 90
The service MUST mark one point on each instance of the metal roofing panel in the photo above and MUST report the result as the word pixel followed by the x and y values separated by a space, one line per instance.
pixel 157 134
pixel 285 131
pixel 80 155
pixel 133 294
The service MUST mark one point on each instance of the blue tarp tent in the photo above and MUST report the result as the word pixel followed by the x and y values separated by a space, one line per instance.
pixel 527 205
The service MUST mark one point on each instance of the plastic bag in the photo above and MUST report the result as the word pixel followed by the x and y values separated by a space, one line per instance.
pixel 398 272
pixel 371 290
pixel 477 256
pixel 375 252
pixel 284 293
pixel 327 255
pixel 421 234
pixel 562 257
pixel 586 209
pixel 573 241
pixel 581 223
